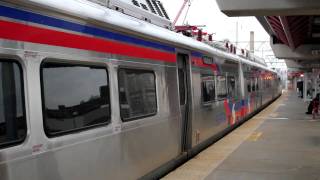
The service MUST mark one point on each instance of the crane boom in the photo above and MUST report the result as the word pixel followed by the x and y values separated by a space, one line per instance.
pixel 180 11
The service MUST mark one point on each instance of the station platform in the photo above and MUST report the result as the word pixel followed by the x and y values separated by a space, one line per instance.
pixel 281 142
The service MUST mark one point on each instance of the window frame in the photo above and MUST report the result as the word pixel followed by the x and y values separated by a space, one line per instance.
pixel 73 63
pixel 23 102
pixel 156 93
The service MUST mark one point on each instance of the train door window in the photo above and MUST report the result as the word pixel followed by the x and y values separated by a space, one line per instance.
pixel 253 84
pixel 208 89
pixel 248 85
pixel 75 97
pixel 221 87
pixel 182 75
pixel 137 91
pixel 231 85
pixel 12 111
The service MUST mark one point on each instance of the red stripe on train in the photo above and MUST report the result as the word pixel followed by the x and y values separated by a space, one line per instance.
pixel 199 62
pixel 21 32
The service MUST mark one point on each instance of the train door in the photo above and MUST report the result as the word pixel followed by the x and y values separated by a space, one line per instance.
pixel 184 93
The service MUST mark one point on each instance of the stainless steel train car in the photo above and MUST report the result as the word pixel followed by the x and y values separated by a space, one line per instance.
pixel 91 92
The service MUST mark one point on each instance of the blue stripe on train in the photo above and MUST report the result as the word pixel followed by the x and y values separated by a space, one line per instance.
pixel 196 54
pixel 58 23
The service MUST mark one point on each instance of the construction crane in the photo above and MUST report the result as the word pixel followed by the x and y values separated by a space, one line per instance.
pixel 190 30
pixel 181 9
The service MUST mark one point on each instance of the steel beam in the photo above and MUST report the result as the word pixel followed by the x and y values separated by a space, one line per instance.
pixel 287 32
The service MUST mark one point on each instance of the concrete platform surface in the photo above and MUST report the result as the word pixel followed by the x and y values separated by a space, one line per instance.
pixel 279 143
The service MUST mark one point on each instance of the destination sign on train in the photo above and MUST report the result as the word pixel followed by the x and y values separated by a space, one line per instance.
pixel 208 60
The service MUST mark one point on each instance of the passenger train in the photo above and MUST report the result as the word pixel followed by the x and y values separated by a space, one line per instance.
pixel 106 90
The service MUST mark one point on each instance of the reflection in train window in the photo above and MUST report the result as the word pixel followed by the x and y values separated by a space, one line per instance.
pixel 231 85
pixel 75 97
pixel 137 94
pixel 208 89
pixel 12 114
pixel 221 87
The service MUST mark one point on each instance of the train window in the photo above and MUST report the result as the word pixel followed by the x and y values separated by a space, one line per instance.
pixel 137 91
pixel 182 76
pixel 221 87
pixel 249 85
pixel 253 84
pixel 231 85
pixel 208 89
pixel 75 97
pixel 257 84
pixel 12 112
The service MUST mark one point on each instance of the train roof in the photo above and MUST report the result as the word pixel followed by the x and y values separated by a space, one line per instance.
pixel 88 10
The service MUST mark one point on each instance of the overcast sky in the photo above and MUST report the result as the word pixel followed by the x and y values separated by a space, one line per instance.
pixel 207 12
